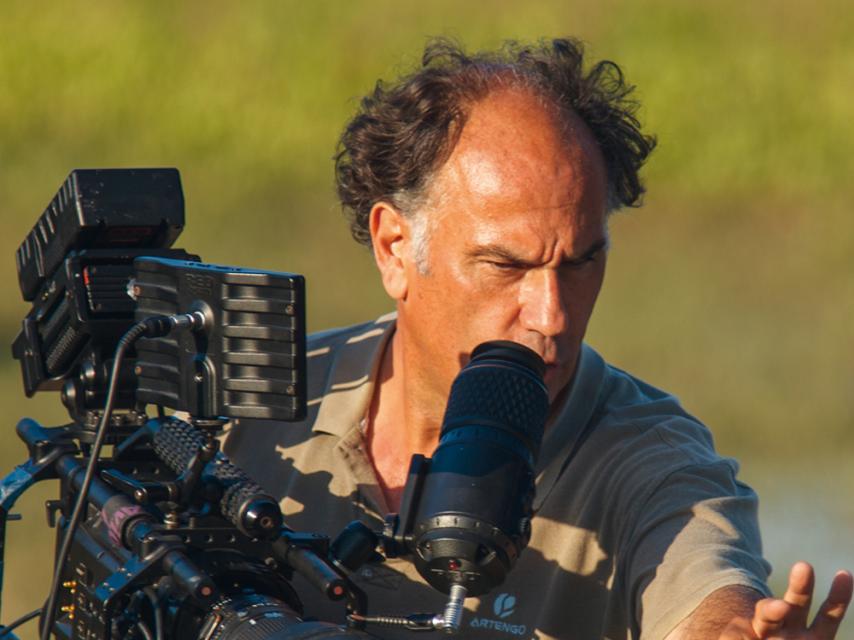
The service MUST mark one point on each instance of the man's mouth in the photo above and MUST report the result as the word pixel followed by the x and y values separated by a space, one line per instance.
pixel 556 378
pixel 552 372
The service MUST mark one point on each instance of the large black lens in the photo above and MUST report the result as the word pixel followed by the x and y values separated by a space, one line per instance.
pixel 260 617
pixel 474 515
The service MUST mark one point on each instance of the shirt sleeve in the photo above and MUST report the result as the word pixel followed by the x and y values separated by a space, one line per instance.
pixel 696 532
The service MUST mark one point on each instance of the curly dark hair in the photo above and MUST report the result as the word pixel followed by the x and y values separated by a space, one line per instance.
pixel 403 132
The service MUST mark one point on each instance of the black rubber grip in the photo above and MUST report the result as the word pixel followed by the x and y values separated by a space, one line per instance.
pixel 244 503
pixel 501 387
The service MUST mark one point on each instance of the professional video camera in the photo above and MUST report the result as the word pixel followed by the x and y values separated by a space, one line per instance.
pixel 162 536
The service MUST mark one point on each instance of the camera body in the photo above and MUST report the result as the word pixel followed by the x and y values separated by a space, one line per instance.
pixel 74 266
pixel 173 539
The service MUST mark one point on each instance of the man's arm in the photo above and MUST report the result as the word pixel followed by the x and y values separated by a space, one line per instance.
pixel 715 612
pixel 741 613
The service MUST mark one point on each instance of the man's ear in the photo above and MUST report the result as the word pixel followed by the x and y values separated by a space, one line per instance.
pixel 389 239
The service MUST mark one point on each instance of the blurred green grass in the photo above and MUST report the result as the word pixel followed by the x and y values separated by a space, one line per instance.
pixel 732 287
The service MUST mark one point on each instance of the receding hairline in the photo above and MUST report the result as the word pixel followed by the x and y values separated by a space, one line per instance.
pixel 575 140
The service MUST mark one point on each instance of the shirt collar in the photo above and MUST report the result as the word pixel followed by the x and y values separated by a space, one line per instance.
pixel 579 406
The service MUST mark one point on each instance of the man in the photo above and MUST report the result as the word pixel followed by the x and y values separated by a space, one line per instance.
pixel 483 185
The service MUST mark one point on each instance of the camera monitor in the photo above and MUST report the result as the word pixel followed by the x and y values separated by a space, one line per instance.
pixel 248 361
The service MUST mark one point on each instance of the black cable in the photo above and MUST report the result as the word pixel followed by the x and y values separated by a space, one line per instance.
pixel 144 630
pixel 152 327
pixel 5 631
pixel 158 611
pixel 50 608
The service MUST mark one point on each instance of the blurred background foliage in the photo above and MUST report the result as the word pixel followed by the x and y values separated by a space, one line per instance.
pixel 732 287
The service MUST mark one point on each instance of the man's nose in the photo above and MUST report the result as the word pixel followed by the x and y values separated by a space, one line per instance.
pixel 543 307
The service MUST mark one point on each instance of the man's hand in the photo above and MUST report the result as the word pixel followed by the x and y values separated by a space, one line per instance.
pixel 787 617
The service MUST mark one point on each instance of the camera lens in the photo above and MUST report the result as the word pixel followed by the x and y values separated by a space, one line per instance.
pixel 260 617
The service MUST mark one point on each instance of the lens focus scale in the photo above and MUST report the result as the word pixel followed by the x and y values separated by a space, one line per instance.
pixel 259 617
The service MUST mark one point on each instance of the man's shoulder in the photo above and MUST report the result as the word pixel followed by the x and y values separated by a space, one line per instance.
pixel 329 340
pixel 634 418
pixel 621 434
pixel 336 356
pixel 340 363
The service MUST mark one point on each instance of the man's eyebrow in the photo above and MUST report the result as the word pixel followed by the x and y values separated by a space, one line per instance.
pixel 500 252
pixel 592 250
pixel 497 252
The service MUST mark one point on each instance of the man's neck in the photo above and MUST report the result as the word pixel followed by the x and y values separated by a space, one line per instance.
pixel 402 421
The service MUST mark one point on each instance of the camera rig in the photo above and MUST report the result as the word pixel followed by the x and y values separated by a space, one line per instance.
pixel 162 536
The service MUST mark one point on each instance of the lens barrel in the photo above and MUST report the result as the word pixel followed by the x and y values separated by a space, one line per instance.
pixel 260 617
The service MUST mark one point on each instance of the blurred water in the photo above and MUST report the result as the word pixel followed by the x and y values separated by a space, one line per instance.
pixel 807 513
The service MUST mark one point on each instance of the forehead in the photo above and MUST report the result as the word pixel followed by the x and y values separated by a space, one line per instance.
pixel 516 154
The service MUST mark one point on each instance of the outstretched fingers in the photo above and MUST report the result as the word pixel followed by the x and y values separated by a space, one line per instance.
pixel 832 610
pixel 770 616
pixel 799 594
pixel 792 610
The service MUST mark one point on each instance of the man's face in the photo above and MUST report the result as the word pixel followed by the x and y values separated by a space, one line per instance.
pixel 517 243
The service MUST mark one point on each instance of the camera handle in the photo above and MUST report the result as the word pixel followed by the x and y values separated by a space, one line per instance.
pixel 45 446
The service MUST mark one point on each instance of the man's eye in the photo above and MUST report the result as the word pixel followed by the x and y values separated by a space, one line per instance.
pixel 504 266
pixel 585 261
